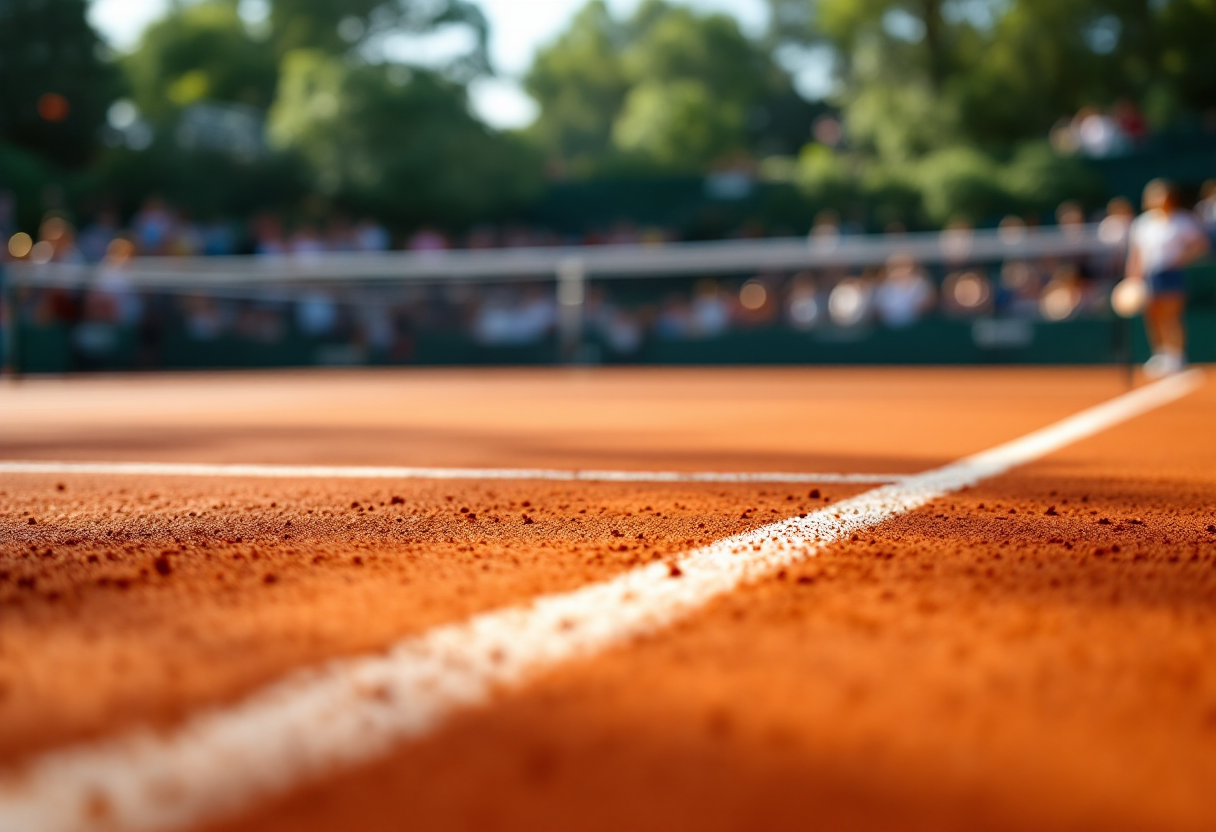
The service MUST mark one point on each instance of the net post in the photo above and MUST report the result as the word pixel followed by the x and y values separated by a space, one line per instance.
pixel 571 294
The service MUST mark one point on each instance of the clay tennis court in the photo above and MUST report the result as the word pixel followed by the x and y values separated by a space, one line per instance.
pixel 539 626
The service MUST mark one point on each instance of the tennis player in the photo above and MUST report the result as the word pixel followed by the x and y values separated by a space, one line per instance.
pixel 1162 242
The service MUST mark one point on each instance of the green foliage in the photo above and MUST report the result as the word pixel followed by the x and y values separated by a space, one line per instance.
pixel 205 52
pixel 678 125
pixel 338 26
pixel 954 182
pixel 397 142
pixel 824 175
pixel 960 181
pixel 1185 33
pixel 200 52
pixel 1008 69
pixel 666 89
pixel 946 103
pixel 581 85
pixel 205 184
pixel 900 123
pixel 48 47
pixel 25 175
pixel 1038 179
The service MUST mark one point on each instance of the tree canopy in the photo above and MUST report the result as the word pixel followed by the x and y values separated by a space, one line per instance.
pixel 941 107
pixel 395 141
pixel 54 82
pixel 201 52
pixel 667 88
pixel 1001 71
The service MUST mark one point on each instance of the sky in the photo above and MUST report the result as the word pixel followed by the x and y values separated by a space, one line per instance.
pixel 517 29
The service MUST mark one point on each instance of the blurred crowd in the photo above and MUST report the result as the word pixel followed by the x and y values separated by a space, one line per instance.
pixel 894 295
pixel 158 229
pixel 1101 133
pixel 110 323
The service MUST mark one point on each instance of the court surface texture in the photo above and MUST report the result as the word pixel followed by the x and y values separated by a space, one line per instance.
pixel 554 599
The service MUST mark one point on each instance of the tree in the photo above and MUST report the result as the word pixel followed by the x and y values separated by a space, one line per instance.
pixel 580 85
pixel 55 85
pixel 394 140
pixel 1185 31
pixel 337 26
pixel 205 51
pixel 955 98
pixel 200 52
pixel 667 89
pixel 678 125
pixel 1002 71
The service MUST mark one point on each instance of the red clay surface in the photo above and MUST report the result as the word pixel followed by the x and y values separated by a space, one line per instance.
pixel 1034 653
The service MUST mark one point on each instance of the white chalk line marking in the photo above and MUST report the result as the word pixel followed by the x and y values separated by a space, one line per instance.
pixel 176 469
pixel 352 710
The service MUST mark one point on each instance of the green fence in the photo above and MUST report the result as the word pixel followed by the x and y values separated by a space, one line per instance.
pixel 54 348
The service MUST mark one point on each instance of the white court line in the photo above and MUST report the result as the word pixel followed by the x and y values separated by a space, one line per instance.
pixel 176 469
pixel 352 710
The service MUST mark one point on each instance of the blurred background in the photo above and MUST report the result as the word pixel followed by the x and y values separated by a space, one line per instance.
pixel 317 182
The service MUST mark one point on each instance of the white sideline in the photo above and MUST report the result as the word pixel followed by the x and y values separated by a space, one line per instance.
pixel 187 469
pixel 352 710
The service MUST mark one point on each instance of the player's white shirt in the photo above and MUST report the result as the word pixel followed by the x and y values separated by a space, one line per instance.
pixel 1161 238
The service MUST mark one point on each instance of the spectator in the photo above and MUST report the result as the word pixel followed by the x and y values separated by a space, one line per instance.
pixel 95 238
pixel 371 236
pixel 153 225
pixel 306 243
pixel 969 293
pixel 268 236
pixel 904 295
pixel 756 304
pixel 1130 120
pixel 1011 230
pixel 1062 295
pixel 1018 293
pixel 428 241
pixel 1071 218
pixel 1113 228
pixel 1098 135
pixel 339 236
pixel 710 312
pixel 218 239
pixel 1113 231
pixel 56 242
pixel 672 323
pixel 957 240
pixel 622 332
pixel 114 283
pixel 850 302
pixel 825 232
pixel 803 307
pixel 316 314
pixel 186 237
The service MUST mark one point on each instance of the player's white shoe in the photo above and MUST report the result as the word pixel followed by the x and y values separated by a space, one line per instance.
pixel 1164 364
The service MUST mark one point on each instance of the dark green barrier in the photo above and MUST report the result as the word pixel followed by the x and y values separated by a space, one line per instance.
pixel 52 348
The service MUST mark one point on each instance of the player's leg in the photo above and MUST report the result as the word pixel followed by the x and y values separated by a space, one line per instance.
pixel 1152 314
pixel 1169 323
pixel 1163 319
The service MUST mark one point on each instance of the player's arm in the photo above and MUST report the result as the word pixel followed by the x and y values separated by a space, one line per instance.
pixel 1135 265
pixel 1197 245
